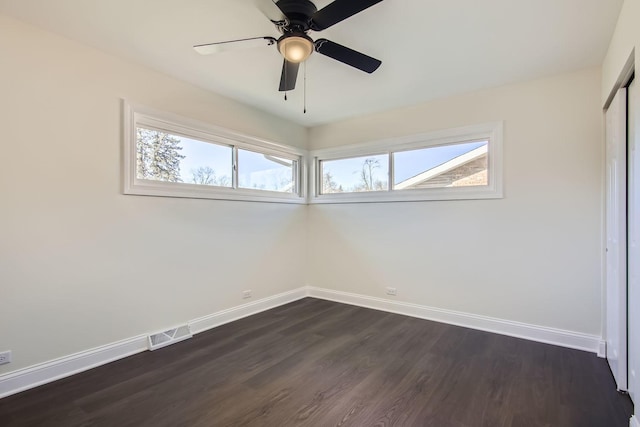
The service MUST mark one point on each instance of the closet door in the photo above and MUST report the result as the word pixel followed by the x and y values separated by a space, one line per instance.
pixel 616 230
pixel 633 260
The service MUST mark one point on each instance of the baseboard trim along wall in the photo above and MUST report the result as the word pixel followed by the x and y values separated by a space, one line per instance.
pixel 560 337
pixel 225 316
pixel 33 376
pixel 602 350
pixel 43 373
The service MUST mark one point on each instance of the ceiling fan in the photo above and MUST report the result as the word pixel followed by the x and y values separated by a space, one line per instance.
pixel 294 19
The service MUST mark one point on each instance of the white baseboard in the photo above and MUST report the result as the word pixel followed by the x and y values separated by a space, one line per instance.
pixel 602 350
pixel 33 376
pixel 43 373
pixel 633 422
pixel 225 316
pixel 560 337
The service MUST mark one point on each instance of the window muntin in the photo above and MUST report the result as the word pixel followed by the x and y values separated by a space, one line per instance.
pixel 259 171
pixel 452 165
pixel 355 174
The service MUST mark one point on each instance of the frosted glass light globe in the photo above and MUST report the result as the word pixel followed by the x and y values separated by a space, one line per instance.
pixel 295 48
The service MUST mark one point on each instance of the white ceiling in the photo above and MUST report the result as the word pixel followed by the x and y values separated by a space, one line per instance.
pixel 429 48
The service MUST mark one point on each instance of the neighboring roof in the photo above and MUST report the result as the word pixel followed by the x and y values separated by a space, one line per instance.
pixel 443 168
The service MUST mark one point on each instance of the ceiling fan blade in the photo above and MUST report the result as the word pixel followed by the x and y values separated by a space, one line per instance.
pixel 209 48
pixel 347 56
pixel 289 76
pixel 270 10
pixel 338 11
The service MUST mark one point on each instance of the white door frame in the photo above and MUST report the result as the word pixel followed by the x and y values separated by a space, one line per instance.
pixel 616 237
pixel 633 245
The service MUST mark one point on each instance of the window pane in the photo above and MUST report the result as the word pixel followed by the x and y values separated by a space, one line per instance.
pixel 264 172
pixel 356 174
pixel 456 165
pixel 171 158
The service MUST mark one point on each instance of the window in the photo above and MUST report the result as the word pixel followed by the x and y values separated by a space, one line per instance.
pixel 171 156
pixel 161 156
pixel 264 172
pixel 462 163
pixel 453 165
pixel 355 174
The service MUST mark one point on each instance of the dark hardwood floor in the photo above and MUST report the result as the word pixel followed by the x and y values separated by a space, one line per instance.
pixel 319 363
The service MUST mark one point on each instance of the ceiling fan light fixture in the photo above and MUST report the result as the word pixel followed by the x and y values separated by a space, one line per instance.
pixel 296 47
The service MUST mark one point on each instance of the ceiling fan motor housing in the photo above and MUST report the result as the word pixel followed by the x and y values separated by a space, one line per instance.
pixel 298 13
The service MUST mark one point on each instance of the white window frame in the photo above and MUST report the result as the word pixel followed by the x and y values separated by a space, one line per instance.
pixel 140 116
pixel 491 132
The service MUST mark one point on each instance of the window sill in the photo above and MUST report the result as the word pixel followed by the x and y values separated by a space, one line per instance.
pixel 463 193
pixel 163 189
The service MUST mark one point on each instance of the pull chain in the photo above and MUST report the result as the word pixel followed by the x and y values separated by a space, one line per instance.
pixel 304 90
pixel 285 71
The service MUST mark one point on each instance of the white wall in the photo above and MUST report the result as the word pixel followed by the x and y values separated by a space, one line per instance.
pixel 532 257
pixel 81 264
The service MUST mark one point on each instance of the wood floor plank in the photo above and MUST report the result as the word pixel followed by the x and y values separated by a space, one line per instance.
pixel 319 363
pixel 326 378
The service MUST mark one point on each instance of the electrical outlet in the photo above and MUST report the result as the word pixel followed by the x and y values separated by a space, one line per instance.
pixel 392 291
pixel 246 294
pixel 5 357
